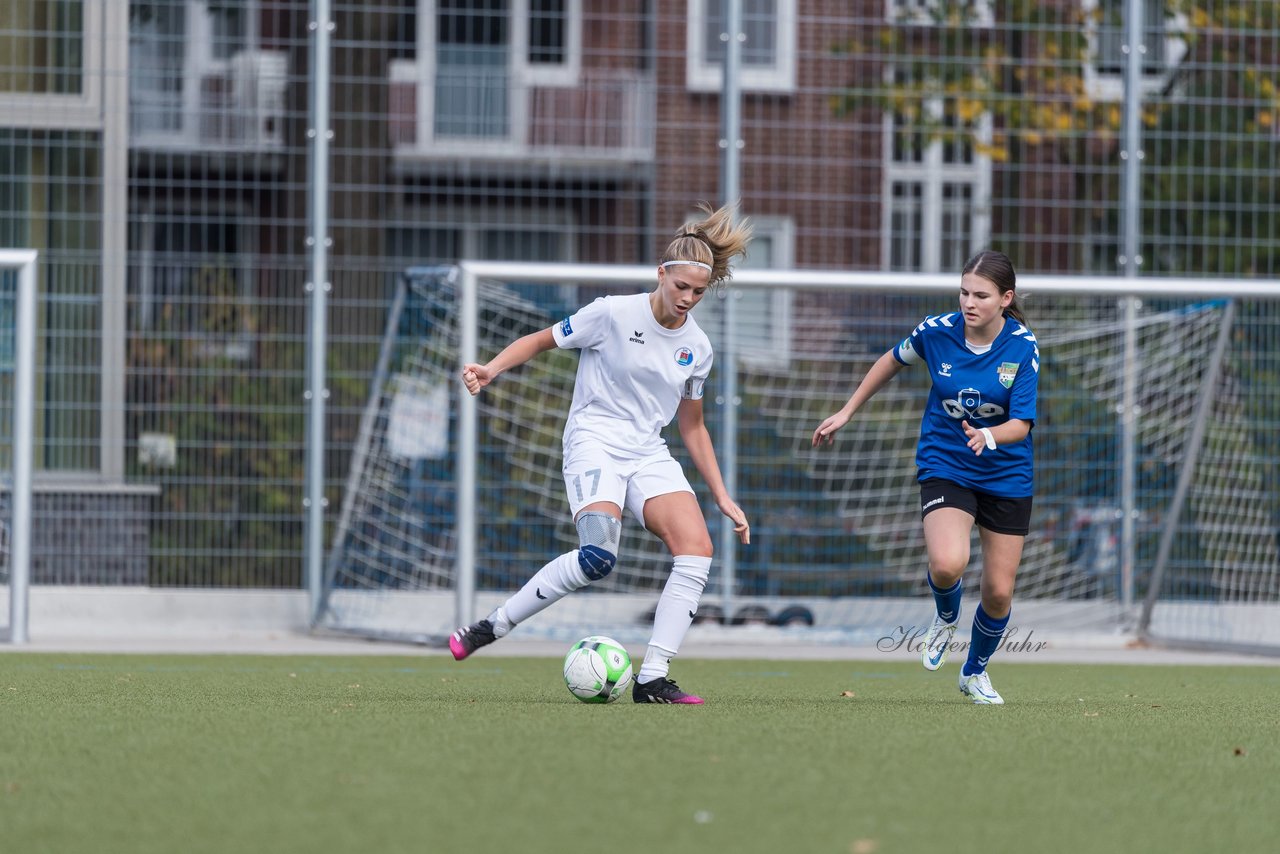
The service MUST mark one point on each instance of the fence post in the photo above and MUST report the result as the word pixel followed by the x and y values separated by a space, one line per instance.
pixel 730 189
pixel 1130 261
pixel 468 422
pixel 24 330
pixel 318 289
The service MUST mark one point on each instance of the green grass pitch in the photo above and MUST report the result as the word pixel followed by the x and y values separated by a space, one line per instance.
pixel 138 754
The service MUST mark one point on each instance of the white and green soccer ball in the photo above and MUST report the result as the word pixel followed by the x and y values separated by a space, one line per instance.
pixel 597 670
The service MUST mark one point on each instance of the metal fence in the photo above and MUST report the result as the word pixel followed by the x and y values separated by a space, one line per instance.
pixel 156 153
pixel 1156 413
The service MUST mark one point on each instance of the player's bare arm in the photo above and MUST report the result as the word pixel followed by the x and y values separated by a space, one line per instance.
pixel 476 376
pixel 693 431
pixel 1013 430
pixel 884 370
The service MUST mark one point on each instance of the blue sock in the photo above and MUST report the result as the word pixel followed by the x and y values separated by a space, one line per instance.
pixel 987 632
pixel 947 601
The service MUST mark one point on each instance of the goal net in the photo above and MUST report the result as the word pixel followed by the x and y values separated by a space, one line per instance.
pixel 836 534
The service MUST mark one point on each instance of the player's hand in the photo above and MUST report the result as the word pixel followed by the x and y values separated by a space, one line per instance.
pixel 475 377
pixel 740 526
pixel 826 432
pixel 975 440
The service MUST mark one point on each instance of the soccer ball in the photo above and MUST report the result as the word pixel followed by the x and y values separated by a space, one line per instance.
pixel 597 670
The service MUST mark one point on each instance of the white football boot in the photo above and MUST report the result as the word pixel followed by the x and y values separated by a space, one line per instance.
pixel 937 643
pixel 977 687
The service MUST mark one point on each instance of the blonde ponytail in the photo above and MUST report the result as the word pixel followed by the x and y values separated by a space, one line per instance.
pixel 712 241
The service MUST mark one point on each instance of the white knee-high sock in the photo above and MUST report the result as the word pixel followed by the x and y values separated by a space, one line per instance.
pixel 674 615
pixel 553 582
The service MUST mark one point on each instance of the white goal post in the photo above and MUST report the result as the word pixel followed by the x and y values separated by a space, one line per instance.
pixel 23 261
pixel 1153 515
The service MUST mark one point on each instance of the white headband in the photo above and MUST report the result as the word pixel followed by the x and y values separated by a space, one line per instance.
pixel 706 267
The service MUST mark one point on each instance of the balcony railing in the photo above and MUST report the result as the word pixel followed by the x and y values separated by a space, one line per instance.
pixel 478 111
pixel 235 105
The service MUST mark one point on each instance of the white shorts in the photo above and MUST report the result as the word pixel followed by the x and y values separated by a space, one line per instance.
pixel 592 475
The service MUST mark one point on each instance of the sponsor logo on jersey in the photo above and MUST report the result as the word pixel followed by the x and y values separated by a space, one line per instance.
pixel 565 328
pixel 1006 372
pixel 684 356
pixel 969 404
pixel 638 338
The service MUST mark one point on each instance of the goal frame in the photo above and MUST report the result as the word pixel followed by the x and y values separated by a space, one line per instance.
pixel 24 261
pixel 1140 355
pixel 1130 290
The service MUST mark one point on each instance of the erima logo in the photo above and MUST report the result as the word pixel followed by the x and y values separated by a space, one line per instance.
pixel 537 591
pixel 638 338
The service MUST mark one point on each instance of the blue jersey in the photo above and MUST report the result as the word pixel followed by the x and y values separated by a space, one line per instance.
pixel 985 389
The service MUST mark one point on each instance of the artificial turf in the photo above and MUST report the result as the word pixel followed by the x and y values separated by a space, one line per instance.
pixel 138 754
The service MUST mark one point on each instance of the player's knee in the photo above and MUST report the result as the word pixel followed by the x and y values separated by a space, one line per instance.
pixel 997 601
pixel 948 570
pixel 596 562
pixel 599 535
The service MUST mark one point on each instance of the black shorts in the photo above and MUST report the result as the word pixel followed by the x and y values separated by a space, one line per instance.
pixel 1002 515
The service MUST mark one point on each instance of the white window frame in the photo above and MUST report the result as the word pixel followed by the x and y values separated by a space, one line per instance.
pixel 916 12
pixel 705 76
pixel 198 62
pixel 523 75
pixel 1110 87
pixel 539 74
pixel 933 173
pixel 83 111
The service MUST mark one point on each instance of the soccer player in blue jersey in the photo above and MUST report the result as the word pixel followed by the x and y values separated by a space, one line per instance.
pixel 974 454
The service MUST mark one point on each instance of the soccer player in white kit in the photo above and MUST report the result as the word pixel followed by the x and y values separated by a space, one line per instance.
pixel 644 361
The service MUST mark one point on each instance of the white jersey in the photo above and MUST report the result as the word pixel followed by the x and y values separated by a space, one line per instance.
pixel 632 373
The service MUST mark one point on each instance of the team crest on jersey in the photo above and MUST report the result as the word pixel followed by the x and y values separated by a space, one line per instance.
pixel 684 356
pixel 1006 372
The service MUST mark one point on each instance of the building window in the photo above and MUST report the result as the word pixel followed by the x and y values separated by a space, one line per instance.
pixel 548 42
pixel 925 12
pixel 42 47
pixel 199 79
pixel 768 54
pixel 937 189
pixel 50 62
pixel 906 225
pixel 479 62
pixel 50 200
pixel 765 317
pixel 194 282
pixel 1105 32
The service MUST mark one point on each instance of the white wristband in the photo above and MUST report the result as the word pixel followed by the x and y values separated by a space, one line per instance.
pixel 991 440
